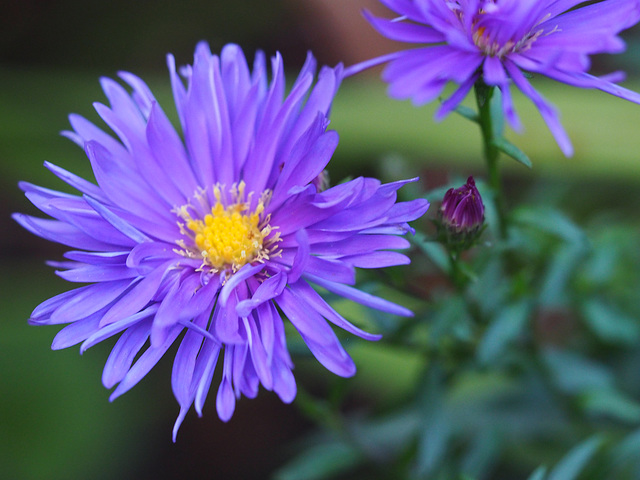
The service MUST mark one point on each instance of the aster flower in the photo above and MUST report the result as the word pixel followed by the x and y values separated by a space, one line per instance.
pixel 204 241
pixel 494 41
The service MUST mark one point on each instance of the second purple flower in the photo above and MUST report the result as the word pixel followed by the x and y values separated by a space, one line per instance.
pixel 494 41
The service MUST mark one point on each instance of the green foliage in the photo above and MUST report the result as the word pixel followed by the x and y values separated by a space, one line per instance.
pixel 528 345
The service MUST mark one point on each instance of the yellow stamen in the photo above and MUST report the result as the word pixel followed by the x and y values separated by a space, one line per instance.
pixel 229 236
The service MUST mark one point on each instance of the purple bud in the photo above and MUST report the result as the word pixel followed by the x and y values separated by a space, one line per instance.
pixel 462 208
pixel 461 215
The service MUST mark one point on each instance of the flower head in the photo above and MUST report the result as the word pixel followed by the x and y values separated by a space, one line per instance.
pixel 204 241
pixel 461 216
pixel 493 41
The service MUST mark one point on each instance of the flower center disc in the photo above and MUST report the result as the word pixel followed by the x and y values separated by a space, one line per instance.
pixel 229 236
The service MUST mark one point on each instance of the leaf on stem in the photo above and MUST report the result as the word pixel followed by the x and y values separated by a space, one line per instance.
pixel 468 113
pixel 510 149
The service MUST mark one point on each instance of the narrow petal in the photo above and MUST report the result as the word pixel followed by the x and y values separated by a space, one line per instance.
pixel 360 297
pixel 548 113
pixel 270 288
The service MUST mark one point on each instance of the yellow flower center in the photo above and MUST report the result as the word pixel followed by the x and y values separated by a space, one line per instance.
pixel 230 236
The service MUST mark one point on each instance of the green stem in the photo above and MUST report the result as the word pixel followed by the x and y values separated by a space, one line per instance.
pixel 488 127
pixel 458 277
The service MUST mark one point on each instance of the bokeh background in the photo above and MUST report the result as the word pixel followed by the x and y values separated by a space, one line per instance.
pixel 55 418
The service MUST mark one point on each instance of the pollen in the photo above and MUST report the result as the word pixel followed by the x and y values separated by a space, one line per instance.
pixel 229 235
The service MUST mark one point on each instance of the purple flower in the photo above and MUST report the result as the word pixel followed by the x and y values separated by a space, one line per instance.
pixel 493 41
pixel 462 210
pixel 214 235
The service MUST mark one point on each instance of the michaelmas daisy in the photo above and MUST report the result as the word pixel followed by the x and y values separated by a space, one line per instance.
pixel 213 236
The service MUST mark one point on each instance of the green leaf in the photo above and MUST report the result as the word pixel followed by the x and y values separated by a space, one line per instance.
pixel 575 461
pixel 613 404
pixel 559 274
pixel 468 113
pixel 552 221
pixel 626 453
pixel 435 426
pixel 509 324
pixel 576 374
pixel 539 473
pixel 481 454
pixel 609 324
pixel 433 250
pixel 510 149
pixel 321 462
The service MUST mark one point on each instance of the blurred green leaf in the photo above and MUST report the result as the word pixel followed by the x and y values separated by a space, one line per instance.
pixel 626 455
pixel 538 474
pixel 612 404
pixel 552 221
pixel 509 324
pixel 434 250
pixel 492 289
pixel 609 324
pixel 321 462
pixel 384 438
pixel 435 426
pixel 574 373
pixel 481 453
pixel 386 371
pixel 555 283
pixel 576 460
pixel 450 322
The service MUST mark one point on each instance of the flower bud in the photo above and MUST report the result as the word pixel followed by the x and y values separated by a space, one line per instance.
pixel 461 216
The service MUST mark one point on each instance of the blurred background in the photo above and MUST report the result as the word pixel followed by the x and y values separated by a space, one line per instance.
pixel 55 418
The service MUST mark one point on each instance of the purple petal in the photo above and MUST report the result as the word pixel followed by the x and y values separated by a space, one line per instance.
pixel 318 336
pixel 87 301
pixel 237 278
pixel 548 113
pixel 173 308
pixel 63 233
pixel 124 352
pixel 267 290
pixel 377 260
pixel 455 99
pixel 360 297
pixel 225 399
pixel 97 273
pixel 302 257
pixel 404 32
pixel 145 363
pixel 258 353
pixel 205 369
pixel 76 332
pixel 136 298
pixel 303 290
pixel 117 327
